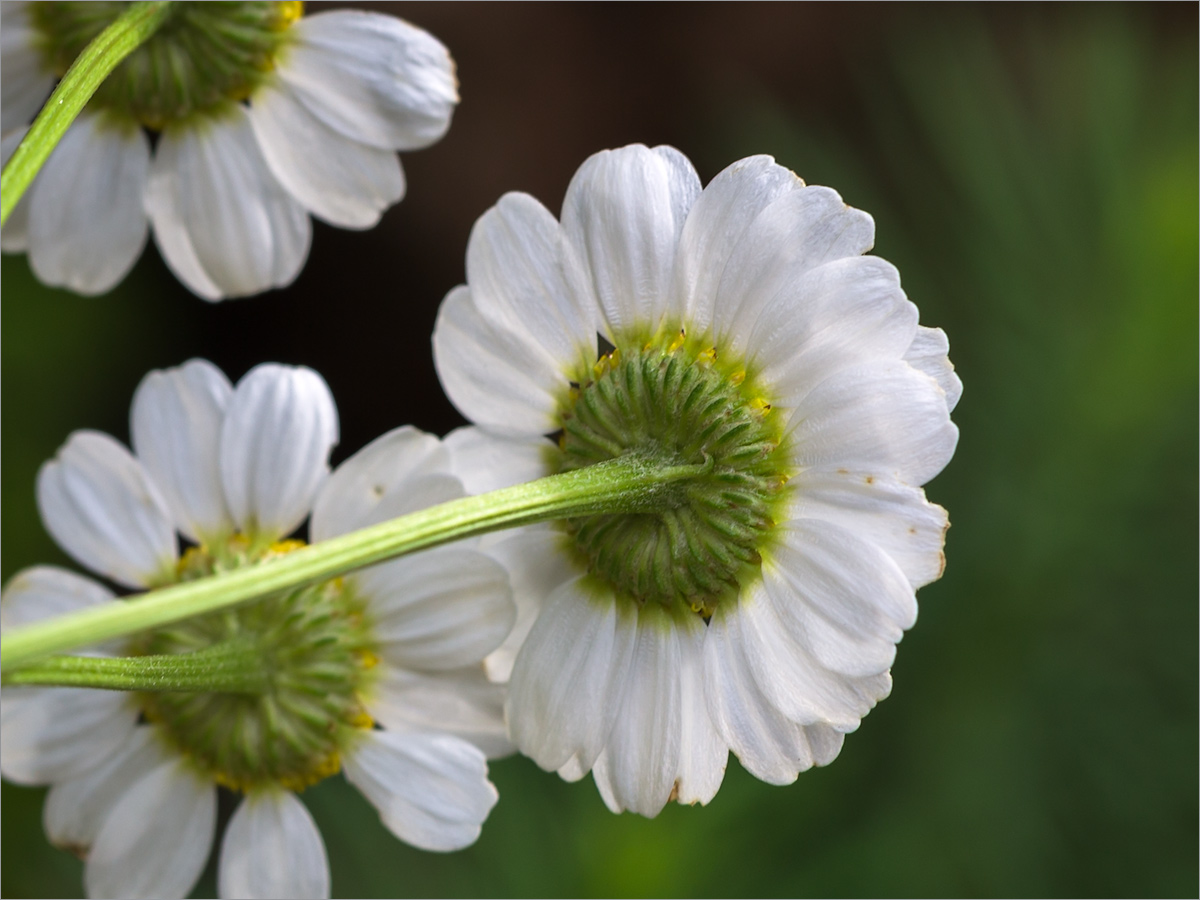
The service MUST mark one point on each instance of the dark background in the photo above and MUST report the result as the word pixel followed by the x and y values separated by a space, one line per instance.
pixel 1033 173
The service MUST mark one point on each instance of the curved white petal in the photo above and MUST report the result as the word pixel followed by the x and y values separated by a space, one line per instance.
pixel 640 762
pixel 495 377
pixel 884 417
pixel 431 790
pixel 838 596
pixel 622 216
pixel 43 592
pixel 337 179
pixel 461 702
pixel 397 463
pixel 14 237
pixel 569 679
pixel 25 79
pixel 801 230
pixel 714 225
pixel 223 223
pixel 75 809
pixel 175 428
pixel 485 461
pixel 374 78
pixel 272 848
pixel 442 609
pixel 157 838
pixel 87 226
pixel 770 746
pixel 517 268
pixel 49 734
pixel 280 427
pixel 929 353
pixel 882 511
pixel 847 312
pixel 537 565
pixel 103 508
pixel 703 752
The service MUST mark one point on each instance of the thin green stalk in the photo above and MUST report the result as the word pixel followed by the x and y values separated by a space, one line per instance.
pixel 233 667
pixel 626 484
pixel 86 74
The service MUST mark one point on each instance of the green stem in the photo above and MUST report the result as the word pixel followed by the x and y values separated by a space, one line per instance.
pixel 232 667
pixel 626 484
pixel 86 74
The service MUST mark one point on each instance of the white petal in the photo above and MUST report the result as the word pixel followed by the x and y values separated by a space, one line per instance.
pixel 839 597
pixel 175 426
pixel 25 79
pixel 346 183
pixel 438 610
pixel 76 809
pixel 622 216
pixel 893 516
pixel 485 461
pixel 537 564
pixel 398 463
pixel 770 746
pixel 495 377
pixel 103 508
pixel 789 675
pixel 640 762
pixel 461 702
pixel 14 237
pixel 280 427
pixel 803 229
pixel 431 790
pixel 930 353
pixel 844 313
pixel 156 840
pixel 272 848
pixel 884 417
pixel 569 679
pixel 87 226
pixel 49 734
pixel 374 78
pixel 223 223
pixel 43 592
pixel 517 271
pixel 703 752
pixel 721 214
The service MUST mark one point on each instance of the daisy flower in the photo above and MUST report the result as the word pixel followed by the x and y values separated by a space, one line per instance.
pixel 234 471
pixel 261 118
pixel 740 328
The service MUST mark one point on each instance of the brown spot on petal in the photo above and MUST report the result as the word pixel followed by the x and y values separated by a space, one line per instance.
pixel 941 563
pixel 674 792
pixel 870 479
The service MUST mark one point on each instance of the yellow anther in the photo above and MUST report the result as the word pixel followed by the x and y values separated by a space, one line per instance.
pixel 761 406
pixel 367 659
pixel 607 363
pixel 362 720
pixel 286 546
pixel 707 357
pixel 737 377
pixel 286 14
pixel 678 342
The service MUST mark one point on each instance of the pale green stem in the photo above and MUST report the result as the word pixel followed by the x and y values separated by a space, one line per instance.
pixel 86 74
pixel 232 667
pixel 626 484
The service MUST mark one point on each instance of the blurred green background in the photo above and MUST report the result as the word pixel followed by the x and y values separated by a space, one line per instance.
pixel 1033 173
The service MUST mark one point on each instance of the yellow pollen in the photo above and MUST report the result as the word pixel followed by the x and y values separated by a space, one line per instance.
pixel 607 363
pixel 675 344
pixel 286 546
pixel 286 14
pixel 362 720
pixel 707 357
pixel 367 659
pixel 761 406
pixel 737 377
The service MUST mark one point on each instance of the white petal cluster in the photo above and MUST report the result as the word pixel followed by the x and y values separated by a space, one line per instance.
pixel 769 271
pixel 228 197
pixel 210 460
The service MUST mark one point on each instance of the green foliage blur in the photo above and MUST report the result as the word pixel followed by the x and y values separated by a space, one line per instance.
pixel 1033 174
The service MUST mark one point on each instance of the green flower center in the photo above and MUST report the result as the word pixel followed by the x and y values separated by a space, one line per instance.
pixel 674 402
pixel 314 647
pixel 204 56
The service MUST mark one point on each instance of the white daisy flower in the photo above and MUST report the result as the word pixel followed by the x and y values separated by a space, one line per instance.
pixel 754 610
pixel 262 118
pixel 234 470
